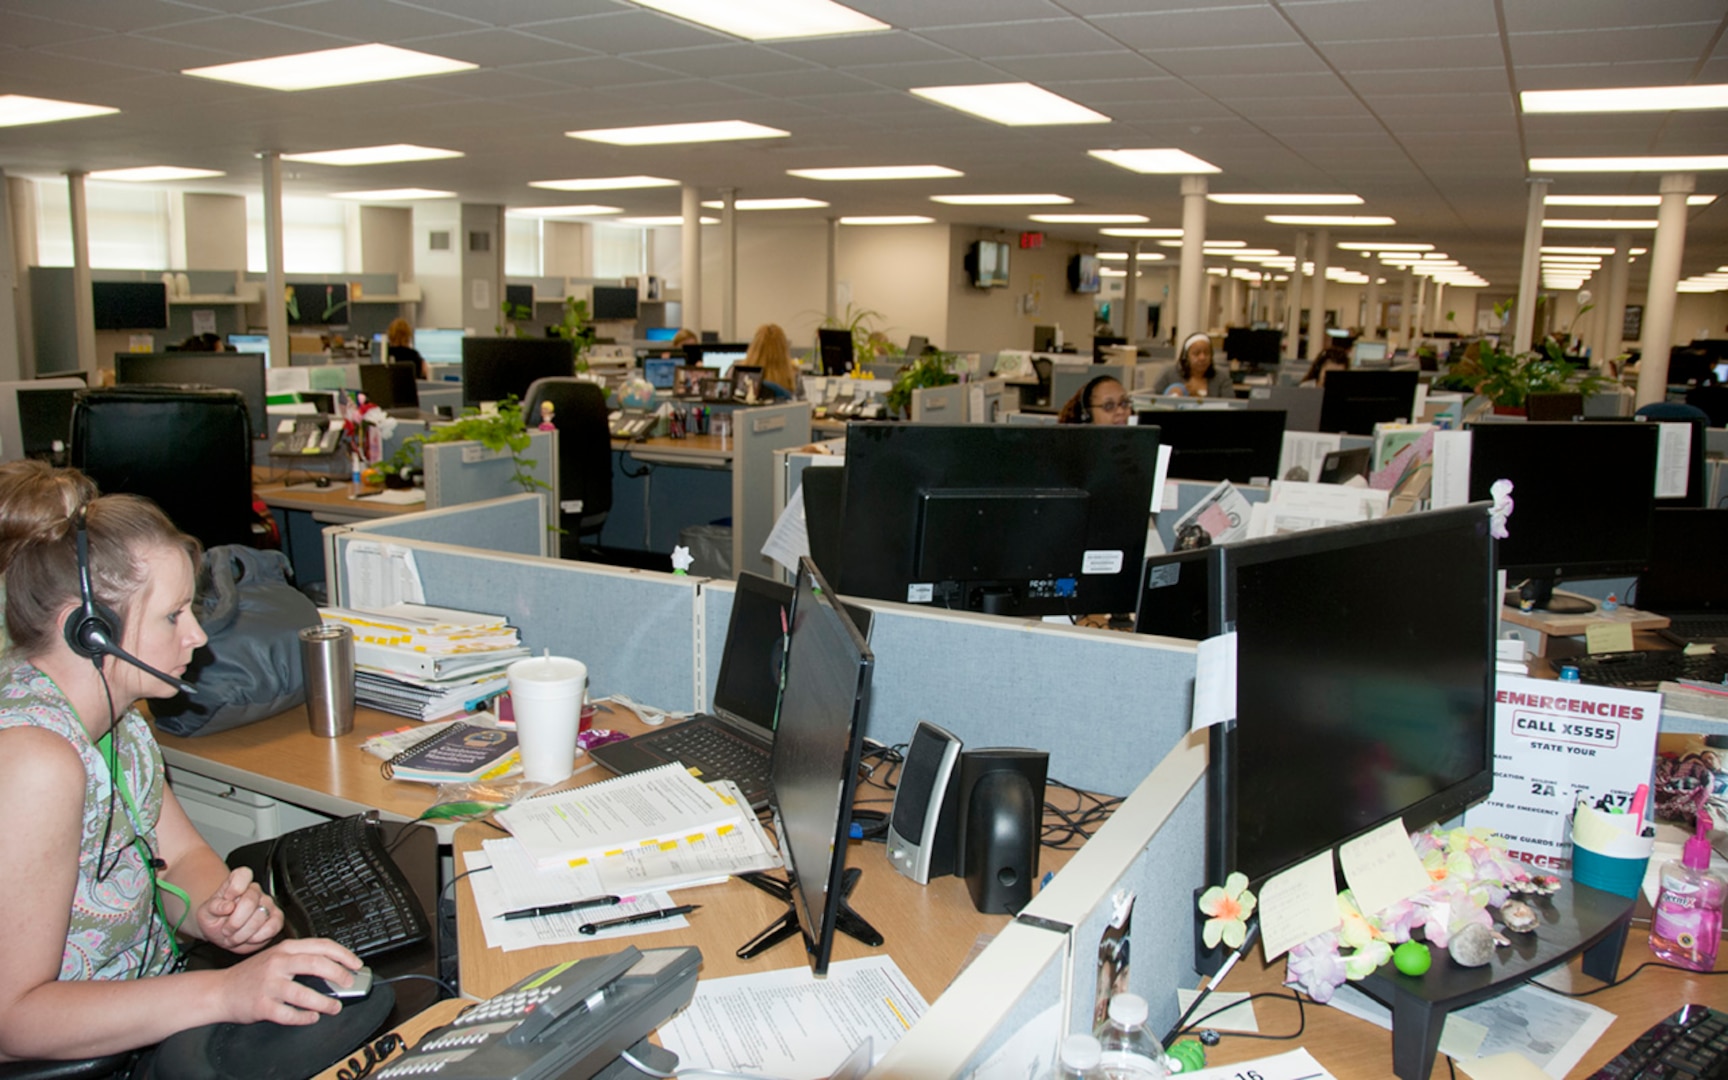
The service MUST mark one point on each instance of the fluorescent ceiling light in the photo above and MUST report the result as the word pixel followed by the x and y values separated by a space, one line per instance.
pixel 662 220
pixel 374 155
pixel 1599 223
pixel 1329 219
pixel 665 134
pixel 1167 160
pixel 17 110
pixel 406 194
pixel 1141 232
pixel 1121 256
pixel 604 183
pixel 769 204
pixel 1637 251
pixel 768 20
pixel 878 172
pixel 1622 200
pixel 1113 271
pixel 1671 163
pixel 145 174
pixel 1626 99
pixel 1002 200
pixel 1557 250
pixel 1218 271
pixel 1089 219
pixel 1224 243
pixel 1016 104
pixel 332 67
pixel 889 219
pixel 1379 245
pixel 1286 200
pixel 1251 253
pixel 564 211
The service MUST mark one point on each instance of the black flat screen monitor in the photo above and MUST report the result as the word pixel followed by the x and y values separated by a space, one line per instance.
pixel 1237 445
pixel 129 305
pixel 496 368
pixel 824 699
pixel 1253 348
pixel 1357 400
pixel 1687 573
pixel 1582 496
pixel 1175 595
pixel 520 296
pixel 1387 713
pixel 1003 519
pixel 45 422
pixel 660 371
pixel 390 386
pixel 225 370
pixel 835 345
pixel 318 303
pixel 614 302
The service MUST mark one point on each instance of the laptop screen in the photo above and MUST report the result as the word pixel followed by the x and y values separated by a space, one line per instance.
pixel 660 372
pixel 749 683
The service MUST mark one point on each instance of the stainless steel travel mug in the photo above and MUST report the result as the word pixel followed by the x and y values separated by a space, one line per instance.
pixel 327 659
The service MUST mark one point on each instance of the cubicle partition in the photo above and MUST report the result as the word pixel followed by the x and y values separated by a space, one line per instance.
pixel 756 434
pixel 464 472
pixel 512 525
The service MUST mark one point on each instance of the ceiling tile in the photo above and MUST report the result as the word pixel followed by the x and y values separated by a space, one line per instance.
pixel 30 32
pixel 632 30
pixel 367 21
pixel 1435 81
pixel 1331 21
pixel 1225 87
pixel 858 50
pixel 1241 26
pixel 1612 46
pixel 248 39
pixel 599 71
pixel 919 14
pixel 1066 70
pixel 1573 76
pixel 1008 39
pixel 1260 60
pixel 116 16
pixel 1608 14
pixel 500 48
pixel 512 12
pixel 1414 53
pixel 142 53
pixel 719 61
pixel 809 83
pixel 952 71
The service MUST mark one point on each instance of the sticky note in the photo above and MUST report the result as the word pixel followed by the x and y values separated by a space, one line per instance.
pixel 1298 904
pixel 1604 637
pixel 1381 868
pixel 1215 681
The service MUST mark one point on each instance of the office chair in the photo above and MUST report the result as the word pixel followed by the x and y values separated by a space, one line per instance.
pixel 584 455
pixel 188 449
pixel 1042 367
pixel 111 1067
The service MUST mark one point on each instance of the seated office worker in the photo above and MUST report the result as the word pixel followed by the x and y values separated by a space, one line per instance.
pixel 89 957
pixel 399 348
pixel 1331 358
pixel 1195 375
pixel 770 351
pixel 34 496
pixel 1100 401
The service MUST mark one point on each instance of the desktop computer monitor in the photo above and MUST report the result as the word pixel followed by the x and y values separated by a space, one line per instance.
pixel 494 368
pixel 1355 401
pixel 661 372
pixel 1365 354
pixel 439 346
pixel 1175 595
pixel 1582 499
pixel 227 371
pixel 318 303
pixel 1238 445
pixel 1043 338
pixel 1253 348
pixel 660 333
pixel 615 302
pixel 251 343
pixel 129 305
pixel 1004 519
pixel 1385 715
pixel 915 346
pixel 818 739
pixel 390 386
pixel 716 357
pixel 34 416
pixel 835 347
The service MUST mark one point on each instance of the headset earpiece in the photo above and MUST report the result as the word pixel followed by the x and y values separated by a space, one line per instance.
pixel 92 630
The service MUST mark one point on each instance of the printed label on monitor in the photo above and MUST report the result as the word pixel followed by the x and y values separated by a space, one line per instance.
pixel 1101 562
pixel 920 593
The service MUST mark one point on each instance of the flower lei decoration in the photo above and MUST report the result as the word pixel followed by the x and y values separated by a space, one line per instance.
pixel 1227 909
pixel 1469 871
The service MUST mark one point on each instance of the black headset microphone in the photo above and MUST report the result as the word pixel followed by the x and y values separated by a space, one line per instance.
pixel 91 630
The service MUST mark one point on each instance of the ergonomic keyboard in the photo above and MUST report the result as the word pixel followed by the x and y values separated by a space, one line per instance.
pixel 1647 668
pixel 1690 1045
pixel 335 880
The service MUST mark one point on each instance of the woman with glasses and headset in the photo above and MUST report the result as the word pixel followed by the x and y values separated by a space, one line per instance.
pixel 1101 401
pixel 103 873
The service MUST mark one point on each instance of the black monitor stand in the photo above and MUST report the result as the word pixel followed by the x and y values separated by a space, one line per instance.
pixel 847 921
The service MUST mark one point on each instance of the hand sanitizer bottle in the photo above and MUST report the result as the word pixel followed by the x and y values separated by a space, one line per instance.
pixel 1687 927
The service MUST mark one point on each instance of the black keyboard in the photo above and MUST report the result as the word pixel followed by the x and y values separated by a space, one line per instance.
pixel 335 880
pixel 1690 1045
pixel 1698 627
pixel 720 755
pixel 1640 668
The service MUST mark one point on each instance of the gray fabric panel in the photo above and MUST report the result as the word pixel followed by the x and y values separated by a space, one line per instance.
pixel 512 526
pixel 717 597
pixel 1042 992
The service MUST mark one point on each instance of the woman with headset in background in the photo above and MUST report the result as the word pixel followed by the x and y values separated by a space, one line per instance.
pixel 1100 401
pixel 1195 373
pixel 102 874
pixel 770 351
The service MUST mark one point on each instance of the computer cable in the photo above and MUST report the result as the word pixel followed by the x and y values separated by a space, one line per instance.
pixel 378 1051
pixel 1629 976
pixel 1079 822
pixel 449 991
pixel 1248 940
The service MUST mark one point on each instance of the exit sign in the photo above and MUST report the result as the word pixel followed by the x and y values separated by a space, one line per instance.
pixel 1030 240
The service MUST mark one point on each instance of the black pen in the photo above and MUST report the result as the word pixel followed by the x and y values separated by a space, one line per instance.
pixel 573 905
pixel 646 916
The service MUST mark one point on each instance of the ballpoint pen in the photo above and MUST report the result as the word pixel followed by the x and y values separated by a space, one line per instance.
pixel 572 905
pixel 646 916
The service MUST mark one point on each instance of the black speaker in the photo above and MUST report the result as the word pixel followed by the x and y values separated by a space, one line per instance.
pixel 923 831
pixel 1001 810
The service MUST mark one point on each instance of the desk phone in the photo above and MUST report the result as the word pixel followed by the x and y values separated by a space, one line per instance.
pixel 632 425
pixel 306 439
pixel 567 1021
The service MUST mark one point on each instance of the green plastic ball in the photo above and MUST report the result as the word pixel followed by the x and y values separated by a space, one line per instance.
pixel 1189 1053
pixel 1412 958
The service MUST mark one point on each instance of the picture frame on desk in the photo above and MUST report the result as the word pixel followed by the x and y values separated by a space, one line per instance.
pixel 715 388
pixel 687 380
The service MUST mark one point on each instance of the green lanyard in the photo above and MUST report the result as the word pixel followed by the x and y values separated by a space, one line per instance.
pixel 117 777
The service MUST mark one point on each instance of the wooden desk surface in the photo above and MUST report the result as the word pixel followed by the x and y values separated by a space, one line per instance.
pixel 714 451
pixel 1354 1049
pixel 339 500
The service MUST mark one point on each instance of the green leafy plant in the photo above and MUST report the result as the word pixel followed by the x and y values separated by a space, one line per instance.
pixel 1508 380
pixel 514 316
pixel 498 432
pixel 931 369
pixel 576 327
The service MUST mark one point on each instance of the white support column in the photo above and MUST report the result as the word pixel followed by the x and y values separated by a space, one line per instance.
pixel 275 299
pixel 1424 322
pixel 1619 277
pixel 83 310
pixel 831 296
pixel 1191 288
pixel 1438 319
pixel 1371 304
pixel 1233 301
pixel 1659 299
pixel 1529 270
pixel 1317 295
pixel 11 369
pixel 1406 309
pixel 691 237
pixel 1293 301
pixel 1131 294
pixel 729 286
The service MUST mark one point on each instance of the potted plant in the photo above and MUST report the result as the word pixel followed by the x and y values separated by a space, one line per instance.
pixel 575 328
pixel 498 432
pixel 931 369
pixel 1507 380
pixel 859 322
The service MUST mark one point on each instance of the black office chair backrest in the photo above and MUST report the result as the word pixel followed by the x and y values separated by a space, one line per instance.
pixel 1042 368
pixel 188 449
pixel 584 454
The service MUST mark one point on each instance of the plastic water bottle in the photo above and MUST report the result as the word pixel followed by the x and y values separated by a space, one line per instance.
pixel 1129 1051
pixel 1080 1057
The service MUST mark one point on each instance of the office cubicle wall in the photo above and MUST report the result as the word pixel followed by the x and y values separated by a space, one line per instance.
pixel 939 404
pixel 434 395
pixel 756 434
pixel 512 525
pixel 464 472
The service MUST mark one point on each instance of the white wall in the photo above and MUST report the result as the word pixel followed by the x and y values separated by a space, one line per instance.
pixel 986 320
pixel 439 273
pixel 215 231
pixel 566 249
pixel 387 241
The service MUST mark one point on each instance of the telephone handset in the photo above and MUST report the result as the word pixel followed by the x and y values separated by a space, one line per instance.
pixel 567 1021
pixel 632 425
pixel 309 440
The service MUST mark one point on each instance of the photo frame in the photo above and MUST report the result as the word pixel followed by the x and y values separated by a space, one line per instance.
pixel 687 380
pixel 746 382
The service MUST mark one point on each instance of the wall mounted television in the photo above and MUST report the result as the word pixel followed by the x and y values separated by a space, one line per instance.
pixel 1083 274
pixel 987 264
pixel 614 302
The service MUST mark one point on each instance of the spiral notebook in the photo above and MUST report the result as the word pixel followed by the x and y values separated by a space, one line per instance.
pixel 457 754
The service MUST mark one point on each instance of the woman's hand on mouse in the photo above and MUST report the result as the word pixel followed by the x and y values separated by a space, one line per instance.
pixel 263 987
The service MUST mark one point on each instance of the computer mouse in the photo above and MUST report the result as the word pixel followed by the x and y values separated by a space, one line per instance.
pixel 362 985
pixel 322 481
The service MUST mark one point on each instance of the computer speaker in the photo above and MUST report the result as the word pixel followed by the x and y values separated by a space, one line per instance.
pixel 1001 811
pixel 923 830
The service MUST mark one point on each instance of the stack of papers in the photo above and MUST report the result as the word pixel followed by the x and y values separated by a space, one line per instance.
pixel 427 662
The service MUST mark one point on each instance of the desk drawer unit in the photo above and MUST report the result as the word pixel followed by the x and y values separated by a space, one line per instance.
pixel 227 816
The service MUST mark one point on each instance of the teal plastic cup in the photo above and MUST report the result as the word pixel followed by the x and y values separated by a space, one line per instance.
pixel 1620 876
